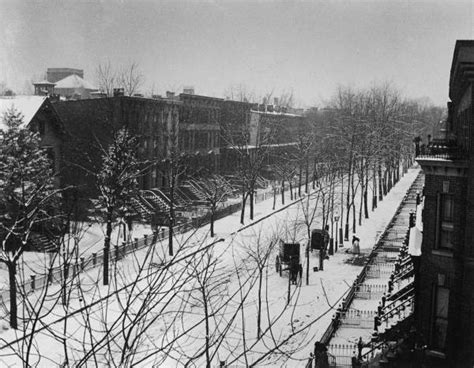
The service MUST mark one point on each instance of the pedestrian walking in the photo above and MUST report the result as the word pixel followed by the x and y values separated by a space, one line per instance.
pixel 355 245
pixel 354 360
pixel 277 263
pixel 360 345
pixel 300 271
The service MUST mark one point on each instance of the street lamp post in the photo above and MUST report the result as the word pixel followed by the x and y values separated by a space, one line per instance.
pixel 336 218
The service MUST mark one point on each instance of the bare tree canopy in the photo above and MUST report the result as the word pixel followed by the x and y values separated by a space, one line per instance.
pixel 128 77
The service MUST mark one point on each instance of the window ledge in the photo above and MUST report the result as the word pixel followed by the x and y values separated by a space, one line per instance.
pixel 443 253
pixel 436 354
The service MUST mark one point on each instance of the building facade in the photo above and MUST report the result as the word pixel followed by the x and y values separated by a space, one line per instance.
pixel 445 316
pixel 91 123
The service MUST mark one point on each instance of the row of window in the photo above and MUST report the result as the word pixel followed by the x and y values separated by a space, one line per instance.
pixel 198 139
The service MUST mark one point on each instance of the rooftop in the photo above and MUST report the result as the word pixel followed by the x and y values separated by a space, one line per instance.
pixel 44 82
pixel 74 81
pixel 28 106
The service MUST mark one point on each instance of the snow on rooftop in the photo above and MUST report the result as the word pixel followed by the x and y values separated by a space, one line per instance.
pixel 74 81
pixel 44 81
pixel 27 105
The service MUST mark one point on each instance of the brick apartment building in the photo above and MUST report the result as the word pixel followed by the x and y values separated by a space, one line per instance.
pixel 91 123
pixel 445 316
pixel 199 131
pixel 204 131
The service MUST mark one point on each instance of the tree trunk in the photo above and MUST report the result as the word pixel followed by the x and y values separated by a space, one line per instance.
pixel 242 212
pixel 307 177
pixel 13 306
pixel 213 209
pixel 282 192
pixel 366 204
pixel 342 207
pixel 307 258
pixel 354 220
pixel 314 174
pixel 348 201
pixel 374 190
pixel 362 190
pixel 251 198
pixel 389 183
pixel 108 234
pixel 380 183
pixel 366 192
pixel 259 312
pixel 300 179
pixel 206 316
pixel 274 197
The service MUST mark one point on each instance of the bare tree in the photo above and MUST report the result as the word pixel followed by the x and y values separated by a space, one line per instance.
pixel 107 78
pixel 259 252
pixel 215 190
pixel 130 78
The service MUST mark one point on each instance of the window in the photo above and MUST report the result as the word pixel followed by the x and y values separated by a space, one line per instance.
pixel 201 139
pixel 52 157
pixel 446 207
pixel 444 225
pixel 440 318
pixel 41 128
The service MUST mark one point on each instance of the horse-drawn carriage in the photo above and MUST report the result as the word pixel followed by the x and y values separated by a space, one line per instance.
pixel 288 259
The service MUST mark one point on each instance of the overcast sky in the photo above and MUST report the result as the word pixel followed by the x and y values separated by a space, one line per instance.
pixel 307 47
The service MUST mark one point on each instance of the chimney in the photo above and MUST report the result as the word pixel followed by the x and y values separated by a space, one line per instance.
pixel 119 92
pixel 275 101
pixel 188 90
pixel 169 94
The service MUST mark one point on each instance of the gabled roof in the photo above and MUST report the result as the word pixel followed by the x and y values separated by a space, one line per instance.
pixel 74 81
pixel 27 105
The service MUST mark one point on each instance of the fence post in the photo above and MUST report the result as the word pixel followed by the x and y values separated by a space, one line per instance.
pixel 33 278
pixel 50 275
pixel 116 252
pixel 94 259
pixel 82 263
pixel 135 243
pixel 145 238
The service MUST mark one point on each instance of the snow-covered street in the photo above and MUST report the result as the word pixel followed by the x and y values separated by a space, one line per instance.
pixel 170 313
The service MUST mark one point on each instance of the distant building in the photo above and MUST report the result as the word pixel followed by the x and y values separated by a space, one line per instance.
pixel 44 88
pixel 444 312
pixel 75 87
pixel 56 74
pixel 274 127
